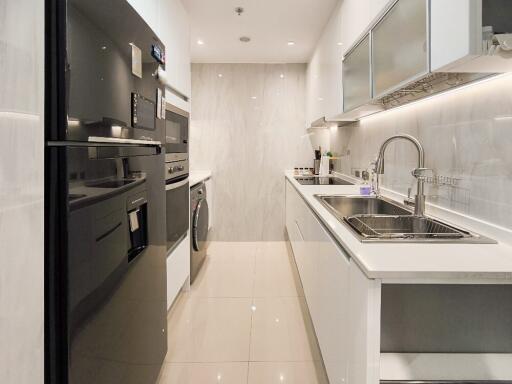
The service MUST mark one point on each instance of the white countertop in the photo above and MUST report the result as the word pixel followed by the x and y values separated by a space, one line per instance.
pixel 195 177
pixel 428 262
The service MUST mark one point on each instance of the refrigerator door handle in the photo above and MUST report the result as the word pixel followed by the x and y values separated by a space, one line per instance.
pixel 112 140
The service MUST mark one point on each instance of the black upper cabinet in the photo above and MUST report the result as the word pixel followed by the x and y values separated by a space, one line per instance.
pixel 112 58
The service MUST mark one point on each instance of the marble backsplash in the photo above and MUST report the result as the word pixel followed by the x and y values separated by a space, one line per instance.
pixel 247 127
pixel 467 135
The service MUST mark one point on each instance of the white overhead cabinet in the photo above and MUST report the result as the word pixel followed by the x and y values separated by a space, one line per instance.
pixel 324 72
pixel 418 48
pixel 324 77
pixel 476 40
pixel 356 72
pixel 175 33
pixel 169 20
pixel 399 46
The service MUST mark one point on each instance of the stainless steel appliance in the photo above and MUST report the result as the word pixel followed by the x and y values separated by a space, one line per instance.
pixel 199 225
pixel 176 174
pixel 378 219
pixel 177 195
pixel 176 133
pixel 105 278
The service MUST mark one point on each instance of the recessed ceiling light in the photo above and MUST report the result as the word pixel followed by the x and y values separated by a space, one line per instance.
pixel 200 42
pixel 281 75
pixel 340 43
pixel 104 47
pixel 245 39
pixel 290 43
pixel 253 97
pixel 220 75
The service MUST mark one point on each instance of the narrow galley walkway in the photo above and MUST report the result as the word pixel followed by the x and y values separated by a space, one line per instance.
pixel 243 321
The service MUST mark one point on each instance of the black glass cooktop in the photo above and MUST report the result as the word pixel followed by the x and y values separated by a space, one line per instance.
pixel 318 180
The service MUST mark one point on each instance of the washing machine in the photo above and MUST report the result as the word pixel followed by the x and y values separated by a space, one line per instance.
pixel 199 228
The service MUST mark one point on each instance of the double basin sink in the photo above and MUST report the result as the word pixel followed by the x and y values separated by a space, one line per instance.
pixel 377 219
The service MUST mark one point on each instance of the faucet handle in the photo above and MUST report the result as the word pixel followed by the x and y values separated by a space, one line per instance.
pixel 410 202
pixel 422 173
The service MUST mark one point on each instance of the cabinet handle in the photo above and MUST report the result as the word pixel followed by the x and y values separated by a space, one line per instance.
pixel 107 233
pixel 300 232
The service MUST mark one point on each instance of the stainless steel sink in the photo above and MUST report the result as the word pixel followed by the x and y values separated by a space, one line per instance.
pixel 376 219
pixel 397 227
pixel 345 206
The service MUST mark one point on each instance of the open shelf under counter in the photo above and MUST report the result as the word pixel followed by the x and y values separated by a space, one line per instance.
pixel 446 367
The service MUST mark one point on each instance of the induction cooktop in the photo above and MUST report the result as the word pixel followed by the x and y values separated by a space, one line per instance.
pixel 321 180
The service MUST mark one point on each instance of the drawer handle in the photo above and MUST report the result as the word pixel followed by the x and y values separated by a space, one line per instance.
pixel 98 239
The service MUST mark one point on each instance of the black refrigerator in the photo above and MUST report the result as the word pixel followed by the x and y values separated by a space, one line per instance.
pixel 105 237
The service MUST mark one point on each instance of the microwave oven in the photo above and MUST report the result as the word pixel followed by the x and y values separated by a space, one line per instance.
pixel 176 131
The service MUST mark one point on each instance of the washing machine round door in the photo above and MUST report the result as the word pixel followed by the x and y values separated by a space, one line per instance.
pixel 200 226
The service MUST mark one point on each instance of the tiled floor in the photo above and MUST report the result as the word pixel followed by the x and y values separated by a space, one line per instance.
pixel 242 322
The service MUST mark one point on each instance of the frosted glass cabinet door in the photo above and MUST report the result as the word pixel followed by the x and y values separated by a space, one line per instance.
pixel 356 76
pixel 399 45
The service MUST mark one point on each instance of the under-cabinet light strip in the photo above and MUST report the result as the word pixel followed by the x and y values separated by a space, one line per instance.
pixel 446 93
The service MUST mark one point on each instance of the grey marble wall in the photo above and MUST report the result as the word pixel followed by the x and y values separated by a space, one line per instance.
pixel 21 191
pixel 467 137
pixel 248 126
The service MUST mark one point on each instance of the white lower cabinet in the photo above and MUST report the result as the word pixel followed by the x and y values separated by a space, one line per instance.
pixel 178 270
pixel 364 325
pixel 327 295
pixel 343 303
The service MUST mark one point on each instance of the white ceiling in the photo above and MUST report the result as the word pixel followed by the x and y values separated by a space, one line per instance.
pixel 269 23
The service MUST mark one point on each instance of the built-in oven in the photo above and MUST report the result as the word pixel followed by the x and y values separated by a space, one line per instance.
pixel 176 132
pixel 177 200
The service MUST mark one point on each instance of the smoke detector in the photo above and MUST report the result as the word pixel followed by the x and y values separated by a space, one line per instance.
pixel 239 11
pixel 245 39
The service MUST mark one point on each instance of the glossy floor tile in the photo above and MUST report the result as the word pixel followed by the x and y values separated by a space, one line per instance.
pixel 242 321
pixel 210 330
pixel 274 274
pixel 278 331
pixel 224 279
pixel 204 373
pixel 283 372
pixel 228 271
pixel 233 252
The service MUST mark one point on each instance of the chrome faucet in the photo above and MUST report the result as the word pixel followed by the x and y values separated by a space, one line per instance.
pixel 419 173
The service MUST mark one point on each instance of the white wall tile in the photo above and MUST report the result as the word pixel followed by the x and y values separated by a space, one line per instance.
pixel 21 191
pixel 248 126
pixel 467 134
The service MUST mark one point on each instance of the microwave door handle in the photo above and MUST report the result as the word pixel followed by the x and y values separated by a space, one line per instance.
pixel 181 183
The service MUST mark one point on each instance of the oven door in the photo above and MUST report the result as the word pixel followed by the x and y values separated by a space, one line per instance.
pixel 177 211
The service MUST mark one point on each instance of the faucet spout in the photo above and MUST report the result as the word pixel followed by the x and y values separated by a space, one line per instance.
pixel 418 173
